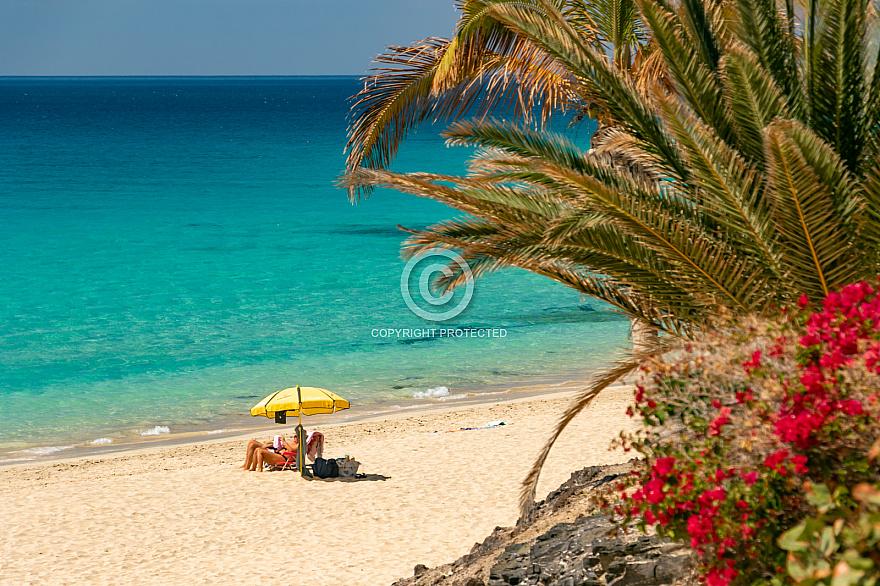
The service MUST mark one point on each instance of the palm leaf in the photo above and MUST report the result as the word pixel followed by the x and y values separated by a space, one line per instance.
pixel 394 100
pixel 612 87
pixel 765 32
pixel 753 100
pixel 483 68
pixel 817 250
pixel 693 70
pixel 730 188
pixel 838 93
pixel 508 248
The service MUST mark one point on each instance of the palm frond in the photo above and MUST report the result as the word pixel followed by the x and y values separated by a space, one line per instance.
pixel 730 188
pixel 565 264
pixel 483 68
pixel 870 187
pixel 613 88
pixel 393 101
pixel 486 52
pixel 652 75
pixel 660 221
pixel 597 250
pixel 763 29
pixel 702 22
pixel 837 91
pixel 817 250
pixel 469 195
pixel 618 23
pixel 873 106
pixel 691 64
pixel 753 99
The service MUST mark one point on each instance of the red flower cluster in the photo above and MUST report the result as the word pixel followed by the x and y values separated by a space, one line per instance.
pixel 693 489
pixel 782 463
pixel 669 491
pixel 753 363
pixel 849 319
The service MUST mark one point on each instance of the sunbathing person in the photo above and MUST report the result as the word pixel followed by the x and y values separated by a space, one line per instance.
pixel 264 456
pixel 252 446
pixel 258 452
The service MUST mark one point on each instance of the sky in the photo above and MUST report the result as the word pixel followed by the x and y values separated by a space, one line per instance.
pixel 210 37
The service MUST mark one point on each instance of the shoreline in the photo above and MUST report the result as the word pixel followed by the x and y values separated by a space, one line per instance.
pixel 232 427
pixel 426 498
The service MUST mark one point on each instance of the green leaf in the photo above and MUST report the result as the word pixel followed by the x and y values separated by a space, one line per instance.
pixel 837 88
pixel 795 539
pixel 796 570
pixel 844 575
pixel 827 541
pixel 819 496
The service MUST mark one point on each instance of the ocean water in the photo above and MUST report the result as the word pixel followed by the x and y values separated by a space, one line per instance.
pixel 174 249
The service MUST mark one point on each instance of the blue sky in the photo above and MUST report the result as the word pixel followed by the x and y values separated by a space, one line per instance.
pixel 210 37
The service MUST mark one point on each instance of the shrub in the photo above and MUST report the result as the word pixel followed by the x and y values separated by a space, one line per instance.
pixel 839 547
pixel 743 427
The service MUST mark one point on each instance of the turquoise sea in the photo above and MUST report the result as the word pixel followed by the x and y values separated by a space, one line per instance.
pixel 174 249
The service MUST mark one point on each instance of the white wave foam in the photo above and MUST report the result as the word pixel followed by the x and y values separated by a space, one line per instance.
pixel 395 408
pixel 432 393
pixel 43 451
pixel 158 430
pixel 213 431
pixel 10 460
pixel 453 397
pixel 101 441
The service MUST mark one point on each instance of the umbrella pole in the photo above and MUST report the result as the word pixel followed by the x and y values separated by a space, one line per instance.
pixel 301 460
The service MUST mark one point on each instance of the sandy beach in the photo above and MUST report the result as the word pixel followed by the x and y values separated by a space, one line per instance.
pixel 188 515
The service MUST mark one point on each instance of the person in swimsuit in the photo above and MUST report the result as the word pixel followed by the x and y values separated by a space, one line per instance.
pixel 259 452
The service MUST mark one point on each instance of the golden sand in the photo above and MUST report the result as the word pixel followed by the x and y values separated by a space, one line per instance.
pixel 187 515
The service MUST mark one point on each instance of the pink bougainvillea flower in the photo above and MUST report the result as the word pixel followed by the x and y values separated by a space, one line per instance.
pixel 749 478
pixel 775 461
pixel 800 464
pixel 654 491
pixel 753 363
pixel 719 422
pixel 663 466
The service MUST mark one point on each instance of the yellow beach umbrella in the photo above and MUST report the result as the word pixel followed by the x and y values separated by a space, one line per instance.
pixel 298 401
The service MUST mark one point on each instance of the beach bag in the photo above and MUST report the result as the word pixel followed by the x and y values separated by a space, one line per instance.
pixel 325 468
pixel 348 468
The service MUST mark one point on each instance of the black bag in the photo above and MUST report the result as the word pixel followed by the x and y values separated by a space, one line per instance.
pixel 325 468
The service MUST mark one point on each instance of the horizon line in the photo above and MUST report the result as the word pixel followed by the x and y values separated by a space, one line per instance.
pixel 191 75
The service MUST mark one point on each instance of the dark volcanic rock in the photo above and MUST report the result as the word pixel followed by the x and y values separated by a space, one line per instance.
pixel 582 554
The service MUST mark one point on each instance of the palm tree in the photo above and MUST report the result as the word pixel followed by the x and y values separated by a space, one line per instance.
pixel 486 67
pixel 756 180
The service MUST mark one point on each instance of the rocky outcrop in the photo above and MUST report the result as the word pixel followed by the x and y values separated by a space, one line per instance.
pixel 564 543
pixel 583 554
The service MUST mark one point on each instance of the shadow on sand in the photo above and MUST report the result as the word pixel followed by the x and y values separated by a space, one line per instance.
pixel 358 478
